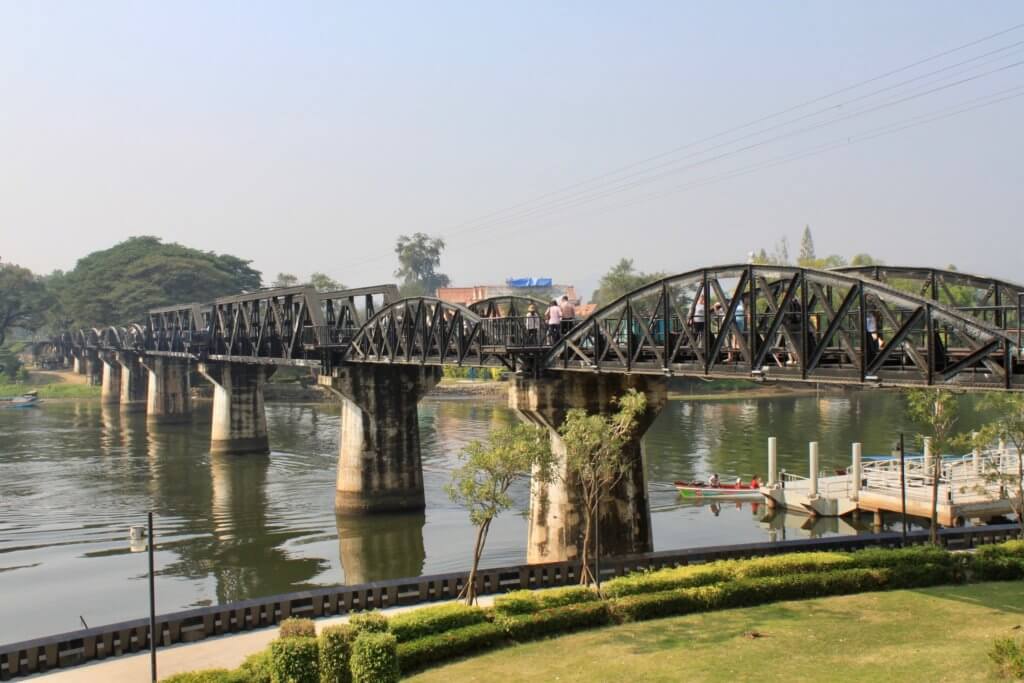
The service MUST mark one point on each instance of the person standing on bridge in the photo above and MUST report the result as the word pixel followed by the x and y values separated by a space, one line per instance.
pixel 568 311
pixel 554 319
pixel 532 326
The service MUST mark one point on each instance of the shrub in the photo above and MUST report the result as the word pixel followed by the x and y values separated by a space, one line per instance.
pixel 527 601
pixel 295 660
pixel 439 647
pixel 912 567
pixel 208 676
pixel 423 622
pixel 256 668
pixel 335 653
pixel 995 568
pixel 368 622
pixel 1008 654
pixel 293 627
pixel 1007 549
pixel 791 563
pixel 374 658
pixel 642 606
pixel 555 620
pixel 668 579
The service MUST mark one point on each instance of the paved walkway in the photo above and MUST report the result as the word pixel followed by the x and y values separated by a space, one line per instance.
pixel 223 652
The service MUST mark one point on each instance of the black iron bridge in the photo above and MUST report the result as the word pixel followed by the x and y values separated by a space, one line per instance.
pixel 874 325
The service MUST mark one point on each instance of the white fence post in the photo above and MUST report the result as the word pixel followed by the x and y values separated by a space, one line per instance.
pixel 927 457
pixel 855 472
pixel 814 469
pixel 773 461
pixel 976 455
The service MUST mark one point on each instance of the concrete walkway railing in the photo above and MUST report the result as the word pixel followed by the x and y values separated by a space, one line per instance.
pixel 79 647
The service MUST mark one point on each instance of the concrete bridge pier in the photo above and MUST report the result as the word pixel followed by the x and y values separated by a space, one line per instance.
pixel 93 367
pixel 556 522
pixel 110 390
pixel 239 417
pixel 134 379
pixel 379 467
pixel 168 398
pixel 77 364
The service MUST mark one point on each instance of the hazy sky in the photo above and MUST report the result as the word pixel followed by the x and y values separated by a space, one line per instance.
pixel 307 136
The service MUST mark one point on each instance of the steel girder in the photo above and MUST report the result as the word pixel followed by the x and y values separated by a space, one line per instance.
pixel 793 324
pixel 505 306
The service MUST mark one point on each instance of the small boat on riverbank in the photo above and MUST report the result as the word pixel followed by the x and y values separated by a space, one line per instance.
pixel 23 401
pixel 700 489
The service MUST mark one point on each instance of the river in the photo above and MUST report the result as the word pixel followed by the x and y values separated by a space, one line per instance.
pixel 75 475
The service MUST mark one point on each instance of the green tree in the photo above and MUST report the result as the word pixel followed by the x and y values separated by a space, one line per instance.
pixel 284 280
pixel 488 470
pixel 418 257
pixel 937 411
pixel 595 460
pixel 324 283
pixel 621 279
pixel 807 256
pixel 119 285
pixel 865 260
pixel 24 300
pixel 1008 426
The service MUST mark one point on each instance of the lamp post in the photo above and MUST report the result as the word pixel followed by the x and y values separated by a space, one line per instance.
pixel 152 603
pixel 903 488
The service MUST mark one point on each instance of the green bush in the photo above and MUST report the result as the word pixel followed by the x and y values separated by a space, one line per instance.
pixel 293 627
pixel 527 601
pixel 369 622
pixel 295 660
pixel 257 668
pixel 335 653
pixel 643 606
pixel 374 658
pixel 208 676
pixel 912 567
pixel 439 647
pixel 1008 654
pixel 418 623
pixel 555 620
pixel 790 563
pixel 668 579
pixel 995 568
pixel 1007 549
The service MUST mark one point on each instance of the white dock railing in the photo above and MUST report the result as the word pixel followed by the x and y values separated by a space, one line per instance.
pixel 973 477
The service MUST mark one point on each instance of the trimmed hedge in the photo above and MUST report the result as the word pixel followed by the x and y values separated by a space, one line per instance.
pixel 295 660
pixel 374 658
pixel 529 601
pixel 562 619
pixel 336 653
pixel 662 580
pixel 369 622
pixel 209 676
pixel 914 566
pixel 439 647
pixel 256 667
pixel 423 622
pixel 293 627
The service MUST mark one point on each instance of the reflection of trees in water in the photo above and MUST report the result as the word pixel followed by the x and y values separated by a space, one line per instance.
pixel 379 547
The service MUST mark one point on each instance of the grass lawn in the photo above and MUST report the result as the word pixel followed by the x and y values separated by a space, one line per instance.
pixel 934 634
pixel 56 390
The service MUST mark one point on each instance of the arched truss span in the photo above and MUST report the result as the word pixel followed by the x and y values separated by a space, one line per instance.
pixel 506 306
pixel 790 324
pixel 425 331
pixel 996 302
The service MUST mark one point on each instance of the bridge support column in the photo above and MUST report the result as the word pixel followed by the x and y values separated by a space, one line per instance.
pixel 379 468
pixel 77 365
pixel 556 522
pixel 110 392
pixel 133 382
pixel 239 417
pixel 93 367
pixel 168 399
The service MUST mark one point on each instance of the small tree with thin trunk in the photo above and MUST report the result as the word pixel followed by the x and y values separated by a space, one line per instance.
pixel 936 409
pixel 1010 427
pixel 596 462
pixel 482 482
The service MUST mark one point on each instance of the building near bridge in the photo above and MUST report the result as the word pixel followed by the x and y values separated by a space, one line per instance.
pixel 544 289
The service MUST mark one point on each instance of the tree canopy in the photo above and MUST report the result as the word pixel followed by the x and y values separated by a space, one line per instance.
pixel 119 285
pixel 418 257
pixel 24 299
pixel 808 257
pixel 621 279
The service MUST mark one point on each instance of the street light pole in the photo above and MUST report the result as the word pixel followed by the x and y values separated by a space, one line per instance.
pixel 152 604
pixel 903 488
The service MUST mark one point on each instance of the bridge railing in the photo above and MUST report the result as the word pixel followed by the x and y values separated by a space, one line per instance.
pixel 326 336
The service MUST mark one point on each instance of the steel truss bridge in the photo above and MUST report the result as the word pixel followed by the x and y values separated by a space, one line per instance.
pixel 872 325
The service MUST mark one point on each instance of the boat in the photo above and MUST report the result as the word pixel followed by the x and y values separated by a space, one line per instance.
pixel 700 489
pixel 23 401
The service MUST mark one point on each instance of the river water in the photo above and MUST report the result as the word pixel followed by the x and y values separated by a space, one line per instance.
pixel 74 476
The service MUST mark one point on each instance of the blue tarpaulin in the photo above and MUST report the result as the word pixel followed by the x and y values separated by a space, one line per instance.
pixel 529 282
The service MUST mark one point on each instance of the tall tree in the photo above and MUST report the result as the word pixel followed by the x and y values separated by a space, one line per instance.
pixel 482 482
pixel 24 300
pixel 807 256
pixel 324 283
pixel 865 260
pixel 937 411
pixel 119 285
pixel 285 280
pixel 418 257
pixel 596 462
pixel 1008 425
pixel 621 279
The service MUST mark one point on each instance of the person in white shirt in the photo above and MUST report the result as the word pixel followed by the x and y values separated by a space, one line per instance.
pixel 554 320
